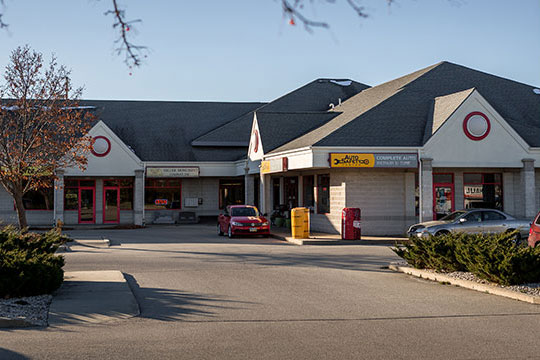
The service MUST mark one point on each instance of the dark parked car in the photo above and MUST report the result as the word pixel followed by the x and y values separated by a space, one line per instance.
pixel 472 221
pixel 534 232
pixel 242 220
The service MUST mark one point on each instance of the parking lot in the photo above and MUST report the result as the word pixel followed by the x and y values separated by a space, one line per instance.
pixel 204 296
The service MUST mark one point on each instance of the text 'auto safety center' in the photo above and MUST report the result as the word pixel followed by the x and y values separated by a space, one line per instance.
pixel 415 148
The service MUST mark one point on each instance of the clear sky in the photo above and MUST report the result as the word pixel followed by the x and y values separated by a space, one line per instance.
pixel 243 50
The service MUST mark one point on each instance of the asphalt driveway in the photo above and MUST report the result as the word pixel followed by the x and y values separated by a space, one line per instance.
pixel 204 296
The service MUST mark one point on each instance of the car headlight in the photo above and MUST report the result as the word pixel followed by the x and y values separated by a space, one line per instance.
pixel 264 224
pixel 234 223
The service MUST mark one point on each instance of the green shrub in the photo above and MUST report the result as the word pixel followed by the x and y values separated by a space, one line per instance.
pixel 28 265
pixel 494 257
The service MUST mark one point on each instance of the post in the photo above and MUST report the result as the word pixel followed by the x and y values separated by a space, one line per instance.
pixel 59 197
pixel 529 187
pixel 138 198
pixel 426 189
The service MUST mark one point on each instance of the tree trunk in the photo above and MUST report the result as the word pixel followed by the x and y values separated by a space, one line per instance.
pixel 21 212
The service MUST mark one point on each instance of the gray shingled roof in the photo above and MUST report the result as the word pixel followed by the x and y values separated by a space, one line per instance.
pixel 163 131
pixel 312 97
pixel 278 128
pixel 397 113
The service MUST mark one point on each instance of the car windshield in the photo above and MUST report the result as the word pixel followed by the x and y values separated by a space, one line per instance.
pixel 244 211
pixel 453 216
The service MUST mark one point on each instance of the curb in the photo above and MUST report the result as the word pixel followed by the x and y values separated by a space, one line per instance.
pixel 7 323
pixel 294 241
pixel 485 288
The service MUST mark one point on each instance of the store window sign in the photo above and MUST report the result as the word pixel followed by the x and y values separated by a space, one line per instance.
pixel 161 202
pixel 274 165
pixel 172 172
pixel 473 191
pixel 357 160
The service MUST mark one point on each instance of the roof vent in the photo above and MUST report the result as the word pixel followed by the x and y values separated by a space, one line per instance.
pixel 342 82
pixel 536 91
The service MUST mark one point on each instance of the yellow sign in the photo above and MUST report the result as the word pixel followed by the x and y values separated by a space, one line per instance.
pixel 265 167
pixel 346 160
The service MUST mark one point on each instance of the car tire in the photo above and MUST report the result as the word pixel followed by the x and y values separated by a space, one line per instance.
pixel 219 232
pixel 517 239
pixel 229 232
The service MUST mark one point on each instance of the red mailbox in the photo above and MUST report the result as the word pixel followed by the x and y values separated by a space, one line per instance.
pixel 350 224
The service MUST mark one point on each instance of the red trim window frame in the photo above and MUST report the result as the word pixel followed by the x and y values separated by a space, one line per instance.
pixel 106 152
pixel 483 182
pixel 168 186
pixel 93 221
pixel 117 188
pixel 466 130
pixel 444 184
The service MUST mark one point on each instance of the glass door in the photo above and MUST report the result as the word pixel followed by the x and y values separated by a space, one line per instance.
pixel 443 195
pixel 87 201
pixel 111 205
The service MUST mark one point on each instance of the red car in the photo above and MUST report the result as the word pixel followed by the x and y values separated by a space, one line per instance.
pixel 242 220
pixel 534 232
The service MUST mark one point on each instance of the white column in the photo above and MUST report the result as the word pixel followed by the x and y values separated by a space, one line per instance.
pixel 138 198
pixel 529 187
pixel 300 191
pixel 264 194
pixel 426 189
pixel 59 197
pixel 459 195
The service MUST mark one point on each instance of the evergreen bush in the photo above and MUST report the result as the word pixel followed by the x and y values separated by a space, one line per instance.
pixel 494 257
pixel 28 265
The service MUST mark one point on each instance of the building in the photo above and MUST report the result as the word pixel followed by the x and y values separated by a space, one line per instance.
pixel 443 138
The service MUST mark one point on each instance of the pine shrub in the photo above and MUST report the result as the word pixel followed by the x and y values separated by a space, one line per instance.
pixel 28 265
pixel 494 257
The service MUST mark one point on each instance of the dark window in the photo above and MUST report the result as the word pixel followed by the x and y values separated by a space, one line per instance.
pixel 323 194
pixel 275 192
pixel 71 192
pixel 126 191
pixel 482 191
pixel 492 216
pixel 231 192
pixel 443 179
pixel 474 216
pixel 308 191
pixel 161 194
pixel 41 199
pixel 244 211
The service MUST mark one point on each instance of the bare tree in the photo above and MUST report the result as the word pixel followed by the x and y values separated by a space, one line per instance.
pixel 42 127
pixel 134 54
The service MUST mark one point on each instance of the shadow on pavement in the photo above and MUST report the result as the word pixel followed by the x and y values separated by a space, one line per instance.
pixel 6 354
pixel 173 305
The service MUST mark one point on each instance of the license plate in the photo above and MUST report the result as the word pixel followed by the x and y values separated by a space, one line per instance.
pixel 253 229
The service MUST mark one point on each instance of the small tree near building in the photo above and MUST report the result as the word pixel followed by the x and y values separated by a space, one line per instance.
pixel 42 127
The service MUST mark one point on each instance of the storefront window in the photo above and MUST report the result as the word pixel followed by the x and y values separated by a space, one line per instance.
pixel 443 195
pixel 126 191
pixel 71 192
pixel 161 194
pixel 323 194
pixel 231 192
pixel 275 192
pixel 41 199
pixel 308 191
pixel 482 191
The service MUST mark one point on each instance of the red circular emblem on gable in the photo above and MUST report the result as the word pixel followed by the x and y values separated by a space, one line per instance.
pixel 256 135
pixel 476 126
pixel 101 146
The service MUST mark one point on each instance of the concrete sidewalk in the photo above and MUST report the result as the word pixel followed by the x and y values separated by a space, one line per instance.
pixel 92 297
pixel 334 239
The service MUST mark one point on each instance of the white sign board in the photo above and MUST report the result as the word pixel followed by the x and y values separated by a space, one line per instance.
pixel 172 172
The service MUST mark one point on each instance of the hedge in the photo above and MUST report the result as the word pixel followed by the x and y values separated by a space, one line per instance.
pixel 28 265
pixel 493 257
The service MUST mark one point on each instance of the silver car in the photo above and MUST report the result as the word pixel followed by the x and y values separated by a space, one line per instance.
pixel 472 221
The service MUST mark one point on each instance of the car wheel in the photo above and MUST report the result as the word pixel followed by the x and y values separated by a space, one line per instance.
pixel 219 232
pixel 229 232
pixel 442 233
pixel 517 238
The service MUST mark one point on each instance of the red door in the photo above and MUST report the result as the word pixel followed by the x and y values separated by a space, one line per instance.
pixel 443 195
pixel 87 202
pixel 111 205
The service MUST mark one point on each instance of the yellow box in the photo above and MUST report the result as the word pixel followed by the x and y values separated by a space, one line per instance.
pixel 300 223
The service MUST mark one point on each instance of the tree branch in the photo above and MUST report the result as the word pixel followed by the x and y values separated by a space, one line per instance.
pixel 133 53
